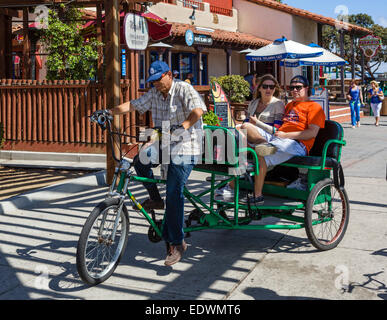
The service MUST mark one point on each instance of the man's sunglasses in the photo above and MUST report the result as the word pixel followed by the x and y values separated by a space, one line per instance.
pixel 298 88
pixel 268 86
pixel 162 76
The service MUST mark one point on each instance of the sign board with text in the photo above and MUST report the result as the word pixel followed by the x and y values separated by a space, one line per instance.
pixel 370 45
pixel 221 106
pixel 135 32
pixel 199 39
pixel 321 97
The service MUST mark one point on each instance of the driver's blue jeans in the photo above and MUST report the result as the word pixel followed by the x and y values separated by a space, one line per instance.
pixel 177 177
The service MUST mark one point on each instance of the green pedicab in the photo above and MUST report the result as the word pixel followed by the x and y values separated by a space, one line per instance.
pixel 322 209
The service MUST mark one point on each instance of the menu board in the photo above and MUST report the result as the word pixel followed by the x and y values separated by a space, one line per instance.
pixel 221 106
pixel 321 97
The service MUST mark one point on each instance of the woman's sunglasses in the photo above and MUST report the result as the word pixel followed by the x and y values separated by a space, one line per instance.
pixel 268 86
pixel 298 88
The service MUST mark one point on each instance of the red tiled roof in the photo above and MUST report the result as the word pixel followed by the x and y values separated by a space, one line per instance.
pixel 233 38
pixel 307 15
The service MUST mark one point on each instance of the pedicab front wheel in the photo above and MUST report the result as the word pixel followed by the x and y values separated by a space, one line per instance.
pixel 326 215
pixel 98 254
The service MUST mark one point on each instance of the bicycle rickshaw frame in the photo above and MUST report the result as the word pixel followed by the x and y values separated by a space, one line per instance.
pixel 316 203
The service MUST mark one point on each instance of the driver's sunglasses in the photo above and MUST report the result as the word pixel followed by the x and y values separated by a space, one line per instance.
pixel 268 86
pixel 298 88
pixel 162 76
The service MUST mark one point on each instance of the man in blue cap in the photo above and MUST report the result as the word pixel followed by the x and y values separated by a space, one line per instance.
pixel 178 105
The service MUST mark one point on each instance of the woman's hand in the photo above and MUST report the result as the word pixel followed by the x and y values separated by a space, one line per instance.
pixel 253 120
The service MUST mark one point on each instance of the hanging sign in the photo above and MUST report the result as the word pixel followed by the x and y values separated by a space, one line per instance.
pixel 370 45
pixel 199 39
pixel 221 106
pixel 135 32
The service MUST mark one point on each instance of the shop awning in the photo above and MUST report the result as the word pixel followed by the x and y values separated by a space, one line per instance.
pixel 158 28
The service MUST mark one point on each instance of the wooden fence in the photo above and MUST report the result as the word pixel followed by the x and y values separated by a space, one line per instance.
pixel 52 116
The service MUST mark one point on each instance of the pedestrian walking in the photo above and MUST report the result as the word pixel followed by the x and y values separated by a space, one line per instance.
pixel 355 98
pixel 376 97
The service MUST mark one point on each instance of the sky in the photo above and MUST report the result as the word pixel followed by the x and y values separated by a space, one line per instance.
pixel 332 8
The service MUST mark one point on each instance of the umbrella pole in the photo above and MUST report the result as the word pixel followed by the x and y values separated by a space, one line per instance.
pixel 286 92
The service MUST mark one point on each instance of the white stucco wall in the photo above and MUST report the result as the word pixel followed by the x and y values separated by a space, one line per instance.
pixel 180 14
pixel 261 21
pixel 304 31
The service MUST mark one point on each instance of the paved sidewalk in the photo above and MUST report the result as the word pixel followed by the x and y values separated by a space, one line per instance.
pixel 38 240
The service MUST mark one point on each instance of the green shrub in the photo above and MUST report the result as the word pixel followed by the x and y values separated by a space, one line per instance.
pixel 70 55
pixel 211 119
pixel 235 87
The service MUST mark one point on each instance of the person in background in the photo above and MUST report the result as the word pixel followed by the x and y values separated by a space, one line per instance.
pixel 301 122
pixel 190 79
pixel 266 110
pixel 251 78
pixel 355 98
pixel 175 74
pixel 376 97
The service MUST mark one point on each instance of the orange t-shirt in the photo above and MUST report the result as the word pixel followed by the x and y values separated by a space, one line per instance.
pixel 300 115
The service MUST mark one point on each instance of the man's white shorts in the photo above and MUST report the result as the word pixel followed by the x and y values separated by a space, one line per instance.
pixel 286 148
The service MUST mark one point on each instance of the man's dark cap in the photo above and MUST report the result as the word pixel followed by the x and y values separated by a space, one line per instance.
pixel 300 79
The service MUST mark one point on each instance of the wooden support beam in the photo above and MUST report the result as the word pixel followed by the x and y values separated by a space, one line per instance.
pixel 26 47
pixel 228 60
pixel 113 72
pixel 10 12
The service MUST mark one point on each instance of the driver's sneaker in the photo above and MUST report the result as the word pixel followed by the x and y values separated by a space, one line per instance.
pixel 265 149
pixel 149 204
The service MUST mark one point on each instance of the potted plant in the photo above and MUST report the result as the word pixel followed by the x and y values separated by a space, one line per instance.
pixel 235 87
pixel 237 90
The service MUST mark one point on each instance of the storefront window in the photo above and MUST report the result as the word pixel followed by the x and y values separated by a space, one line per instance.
pixel 183 62
pixel 186 63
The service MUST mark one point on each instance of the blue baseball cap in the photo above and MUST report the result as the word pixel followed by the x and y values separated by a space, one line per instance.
pixel 156 70
pixel 300 79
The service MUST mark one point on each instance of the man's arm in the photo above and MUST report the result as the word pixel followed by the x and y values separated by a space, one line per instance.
pixel 192 118
pixel 307 134
pixel 122 108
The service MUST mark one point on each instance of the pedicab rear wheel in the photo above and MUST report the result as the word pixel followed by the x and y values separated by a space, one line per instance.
pixel 326 215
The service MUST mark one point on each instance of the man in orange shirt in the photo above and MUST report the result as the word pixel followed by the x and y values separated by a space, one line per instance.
pixel 302 121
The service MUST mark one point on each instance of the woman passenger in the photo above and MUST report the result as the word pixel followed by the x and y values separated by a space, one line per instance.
pixel 266 109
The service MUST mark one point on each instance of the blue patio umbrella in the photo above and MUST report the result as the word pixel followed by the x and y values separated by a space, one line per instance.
pixel 283 49
pixel 327 59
